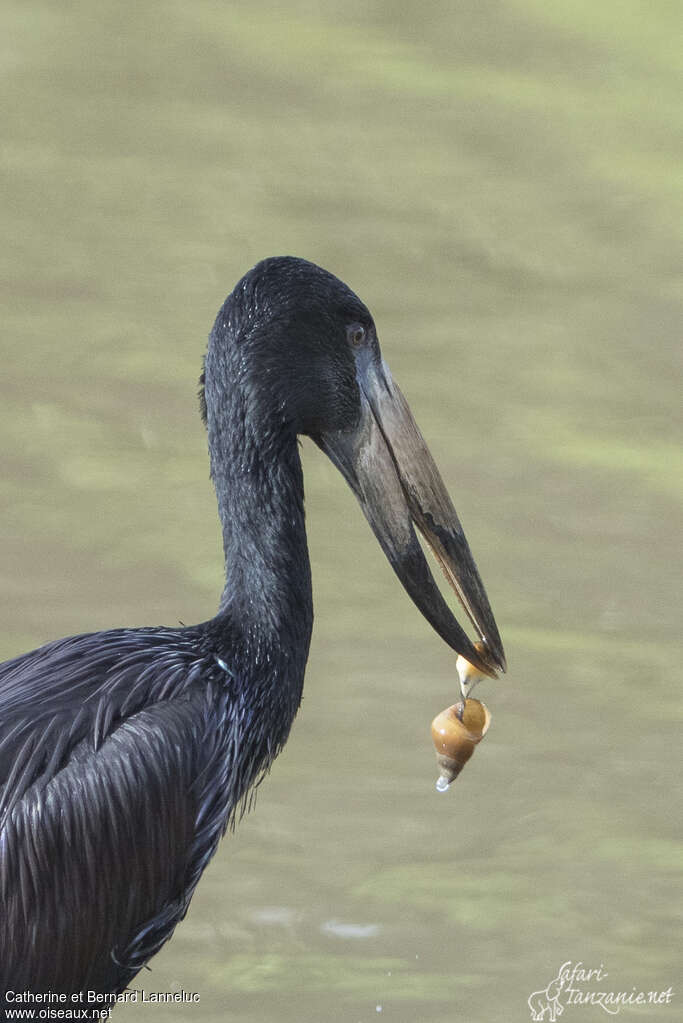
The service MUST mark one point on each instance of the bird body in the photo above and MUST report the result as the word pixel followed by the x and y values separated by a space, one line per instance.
pixel 125 754
pixel 140 749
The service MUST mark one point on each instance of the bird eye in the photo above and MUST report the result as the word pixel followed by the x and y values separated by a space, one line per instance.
pixel 357 335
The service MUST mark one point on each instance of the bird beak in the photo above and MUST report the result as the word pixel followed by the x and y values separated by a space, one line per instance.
pixel 388 465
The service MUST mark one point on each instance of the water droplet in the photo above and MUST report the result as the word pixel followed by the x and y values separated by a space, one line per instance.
pixel 441 784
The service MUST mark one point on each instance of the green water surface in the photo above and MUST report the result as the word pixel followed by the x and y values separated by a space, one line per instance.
pixel 501 183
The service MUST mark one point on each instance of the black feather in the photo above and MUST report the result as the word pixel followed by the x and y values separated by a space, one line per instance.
pixel 124 755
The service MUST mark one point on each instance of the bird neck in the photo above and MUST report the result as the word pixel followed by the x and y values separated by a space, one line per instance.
pixel 258 478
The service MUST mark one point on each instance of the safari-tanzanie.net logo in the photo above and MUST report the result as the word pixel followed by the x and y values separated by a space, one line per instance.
pixel 577 986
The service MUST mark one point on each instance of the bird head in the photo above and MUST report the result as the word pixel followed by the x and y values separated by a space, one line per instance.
pixel 305 351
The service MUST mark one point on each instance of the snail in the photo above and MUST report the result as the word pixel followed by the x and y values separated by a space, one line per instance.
pixel 456 731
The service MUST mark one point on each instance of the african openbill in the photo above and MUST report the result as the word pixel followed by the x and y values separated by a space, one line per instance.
pixel 125 754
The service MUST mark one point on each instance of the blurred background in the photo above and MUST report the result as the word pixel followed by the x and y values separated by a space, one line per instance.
pixel 500 183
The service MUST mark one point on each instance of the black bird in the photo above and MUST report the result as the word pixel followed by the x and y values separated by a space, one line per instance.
pixel 125 754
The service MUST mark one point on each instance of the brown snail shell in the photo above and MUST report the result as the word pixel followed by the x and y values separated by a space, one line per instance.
pixel 455 740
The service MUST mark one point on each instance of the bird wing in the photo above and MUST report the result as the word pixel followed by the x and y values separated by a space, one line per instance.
pixel 115 786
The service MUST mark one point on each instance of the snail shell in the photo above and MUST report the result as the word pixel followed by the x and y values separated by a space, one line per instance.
pixel 469 675
pixel 455 740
